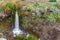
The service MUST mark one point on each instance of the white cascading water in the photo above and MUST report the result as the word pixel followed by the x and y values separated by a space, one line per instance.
pixel 16 30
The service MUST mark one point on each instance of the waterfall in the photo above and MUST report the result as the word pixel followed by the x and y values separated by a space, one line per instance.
pixel 16 21
pixel 16 30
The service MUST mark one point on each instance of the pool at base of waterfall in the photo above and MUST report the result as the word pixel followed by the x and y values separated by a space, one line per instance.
pixel 3 39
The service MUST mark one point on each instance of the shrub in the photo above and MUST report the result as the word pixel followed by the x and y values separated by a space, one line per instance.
pixel 20 38
pixel 8 6
pixel 30 37
pixel 58 5
pixel 1 9
pixel 52 0
pixel 52 17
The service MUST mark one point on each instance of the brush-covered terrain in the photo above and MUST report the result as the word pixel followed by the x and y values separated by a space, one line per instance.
pixel 40 20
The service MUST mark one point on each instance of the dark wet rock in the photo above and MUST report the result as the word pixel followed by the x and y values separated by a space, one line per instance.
pixel 2 15
pixel 9 35
pixel 5 14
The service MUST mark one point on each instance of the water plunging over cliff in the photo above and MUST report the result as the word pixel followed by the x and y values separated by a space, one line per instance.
pixel 16 30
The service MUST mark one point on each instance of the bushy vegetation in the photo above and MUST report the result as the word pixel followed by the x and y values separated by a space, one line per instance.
pixel 1 9
pixel 30 37
pixel 10 6
pixel 53 17
pixel 52 0
pixel 51 12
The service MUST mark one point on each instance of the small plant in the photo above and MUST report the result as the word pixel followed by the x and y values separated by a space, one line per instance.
pixel 1 9
pixel 32 37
